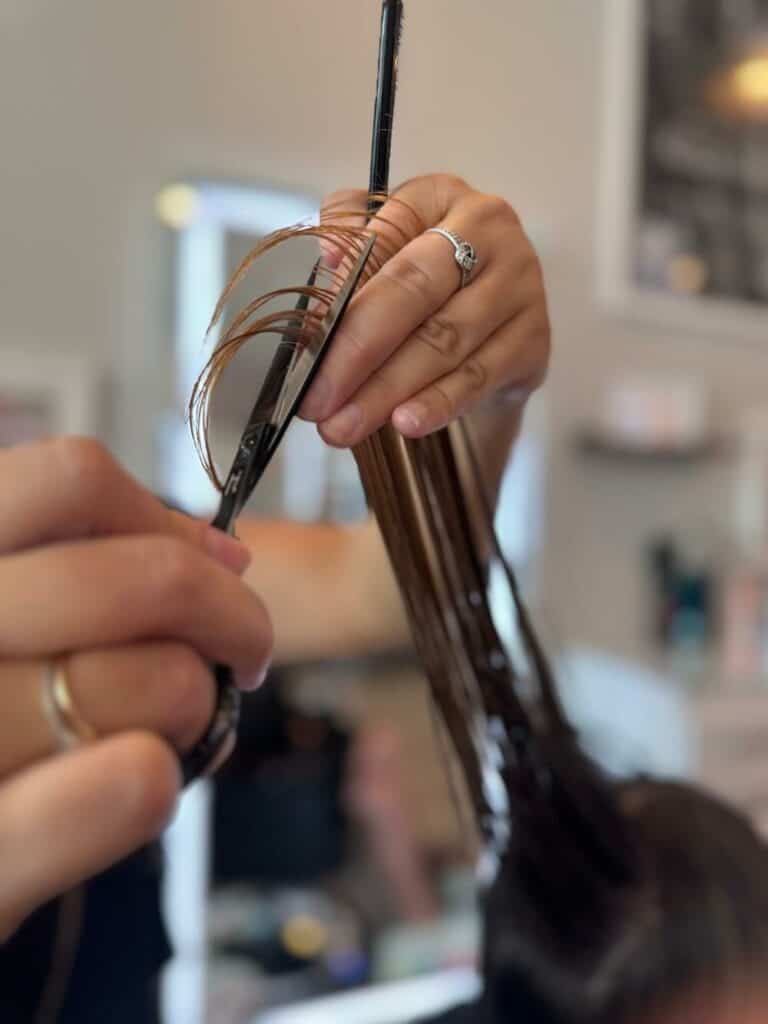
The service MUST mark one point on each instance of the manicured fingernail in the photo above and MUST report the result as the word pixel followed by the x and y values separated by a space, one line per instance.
pixel 250 683
pixel 316 402
pixel 229 551
pixel 343 427
pixel 410 419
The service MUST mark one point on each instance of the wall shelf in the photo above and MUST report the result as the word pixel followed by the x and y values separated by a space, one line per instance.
pixel 594 446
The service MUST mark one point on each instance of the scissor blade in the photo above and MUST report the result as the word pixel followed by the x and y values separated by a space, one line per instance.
pixel 309 359
pixel 261 439
pixel 237 487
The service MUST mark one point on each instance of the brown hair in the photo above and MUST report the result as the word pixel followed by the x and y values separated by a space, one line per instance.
pixel 415 490
pixel 609 900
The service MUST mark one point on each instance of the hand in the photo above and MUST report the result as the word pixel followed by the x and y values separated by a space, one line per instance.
pixel 414 347
pixel 138 601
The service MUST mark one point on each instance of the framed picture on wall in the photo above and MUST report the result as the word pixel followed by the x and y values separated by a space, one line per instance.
pixel 684 186
pixel 44 394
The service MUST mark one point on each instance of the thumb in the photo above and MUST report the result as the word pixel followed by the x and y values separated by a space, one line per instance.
pixel 347 207
pixel 73 815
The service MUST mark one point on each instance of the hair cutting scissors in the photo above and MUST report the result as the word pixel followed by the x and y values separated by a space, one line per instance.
pixel 287 381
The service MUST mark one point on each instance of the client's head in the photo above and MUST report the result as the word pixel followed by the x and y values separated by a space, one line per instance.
pixel 671 930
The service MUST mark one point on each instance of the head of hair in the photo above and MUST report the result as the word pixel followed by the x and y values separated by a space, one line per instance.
pixel 688 923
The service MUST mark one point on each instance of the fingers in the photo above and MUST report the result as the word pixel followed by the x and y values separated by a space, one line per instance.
pixel 510 359
pixel 413 342
pixel 166 689
pixel 72 487
pixel 121 590
pixel 390 306
pixel 69 817
pixel 446 340
pixel 410 210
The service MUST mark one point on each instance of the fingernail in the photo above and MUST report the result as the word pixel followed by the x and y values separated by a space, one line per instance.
pixel 343 427
pixel 250 683
pixel 316 402
pixel 330 255
pixel 410 419
pixel 229 551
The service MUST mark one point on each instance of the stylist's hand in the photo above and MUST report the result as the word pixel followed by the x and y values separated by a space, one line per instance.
pixel 138 601
pixel 414 346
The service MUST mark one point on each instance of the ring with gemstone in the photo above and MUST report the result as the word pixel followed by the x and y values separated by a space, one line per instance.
pixel 463 252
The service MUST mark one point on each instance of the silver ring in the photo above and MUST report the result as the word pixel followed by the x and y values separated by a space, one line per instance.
pixel 463 252
pixel 68 726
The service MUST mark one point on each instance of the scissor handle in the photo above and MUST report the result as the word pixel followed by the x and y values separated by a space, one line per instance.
pixel 215 747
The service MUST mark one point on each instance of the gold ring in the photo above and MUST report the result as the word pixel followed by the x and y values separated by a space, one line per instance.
pixel 69 727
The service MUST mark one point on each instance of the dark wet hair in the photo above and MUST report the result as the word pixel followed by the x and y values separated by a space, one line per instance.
pixel 580 946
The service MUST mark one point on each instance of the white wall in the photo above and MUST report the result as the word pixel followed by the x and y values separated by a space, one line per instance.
pixel 101 103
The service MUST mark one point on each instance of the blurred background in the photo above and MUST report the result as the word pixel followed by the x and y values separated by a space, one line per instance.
pixel 146 146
